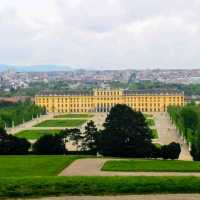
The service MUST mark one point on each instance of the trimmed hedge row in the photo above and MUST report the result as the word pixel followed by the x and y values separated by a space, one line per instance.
pixel 48 186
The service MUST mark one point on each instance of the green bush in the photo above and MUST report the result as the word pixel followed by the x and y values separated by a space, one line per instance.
pixel 171 151
pixel 49 145
pixel 12 145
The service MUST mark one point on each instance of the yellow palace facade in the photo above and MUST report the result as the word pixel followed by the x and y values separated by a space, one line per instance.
pixel 102 100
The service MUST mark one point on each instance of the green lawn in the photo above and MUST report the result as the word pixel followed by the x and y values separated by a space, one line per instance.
pixel 154 134
pixel 73 115
pixel 150 122
pixel 61 123
pixel 25 187
pixel 12 166
pixel 148 115
pixel 152 166
pixel 35 134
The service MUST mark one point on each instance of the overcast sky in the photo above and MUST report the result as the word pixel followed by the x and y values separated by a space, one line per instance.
pixel 101 33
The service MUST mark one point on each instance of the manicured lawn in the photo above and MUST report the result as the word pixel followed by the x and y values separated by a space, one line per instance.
pixel 154 134
pixel 152 166
pixel 35 134
pixel 61 123
pixel 73 115
pixel 148 115
pixel 150 122
pixel 54 186
pixel 11 166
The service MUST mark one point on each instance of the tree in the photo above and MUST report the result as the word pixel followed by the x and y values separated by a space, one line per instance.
pixel 12 145
pixel 171 151
pixel 195 148
pixel 190 119
pixel 90 137
pixel 3 133
pixel 49 145
pixel 73 134
pixel 126 133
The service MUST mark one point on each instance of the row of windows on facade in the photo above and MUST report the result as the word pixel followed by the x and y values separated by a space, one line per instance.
pixel 102 110
pixel 112 104
pixel 108 93
pixel 127 99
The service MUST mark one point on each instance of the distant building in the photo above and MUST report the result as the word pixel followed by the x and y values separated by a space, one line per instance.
pixel 101 100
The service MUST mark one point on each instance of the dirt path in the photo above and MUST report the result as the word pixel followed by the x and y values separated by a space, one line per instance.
pixel 129 197
pixel 92 167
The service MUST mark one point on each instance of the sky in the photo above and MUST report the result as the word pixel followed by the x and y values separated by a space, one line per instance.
pixel 93 34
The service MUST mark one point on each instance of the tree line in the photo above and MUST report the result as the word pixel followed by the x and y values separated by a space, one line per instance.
pixel 17 113
pixel 125 134
pixel 187 121
pixel 189 89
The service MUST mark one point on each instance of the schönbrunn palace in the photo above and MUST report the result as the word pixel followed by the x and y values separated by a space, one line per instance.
pixel 101 100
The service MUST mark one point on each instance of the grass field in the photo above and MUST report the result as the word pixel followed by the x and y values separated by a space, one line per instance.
pixel 150 122
pixel 53 186
pixel 148 115
pixel 154 134
pixel 61 123
pixel 12 166
pixel 35 134
pixel 73 115
pixel 152 166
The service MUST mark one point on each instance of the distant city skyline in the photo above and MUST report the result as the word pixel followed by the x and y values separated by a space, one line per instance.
pixel 106 34
pixel 57 67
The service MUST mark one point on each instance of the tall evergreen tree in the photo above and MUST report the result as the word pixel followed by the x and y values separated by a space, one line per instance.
pixel 126 133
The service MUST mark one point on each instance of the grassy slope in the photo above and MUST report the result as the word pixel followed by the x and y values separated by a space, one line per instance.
pixel 47 186
pixel 74 116
pixel 11 166
pixel 150 122
pixel 152 166
pixel 35 134
pixel 61 123
pixel 154 134
pixel 146 115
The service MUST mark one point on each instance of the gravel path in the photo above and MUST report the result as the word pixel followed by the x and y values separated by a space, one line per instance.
pixel 129 197
pixel 92 167
pixel 168 133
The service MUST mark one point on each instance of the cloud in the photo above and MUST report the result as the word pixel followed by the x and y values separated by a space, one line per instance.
pixel 108 33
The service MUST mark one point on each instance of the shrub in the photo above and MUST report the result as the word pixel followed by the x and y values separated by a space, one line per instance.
pixel 49 145
pixel 12 145
pixel 171 151
pixel 156 151
pixel 195 148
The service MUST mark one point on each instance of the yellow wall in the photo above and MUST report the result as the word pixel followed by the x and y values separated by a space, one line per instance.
pixel 102 100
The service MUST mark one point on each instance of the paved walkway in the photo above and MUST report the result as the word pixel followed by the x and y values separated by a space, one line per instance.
pixel 99 119
pixel 129 197
pixel 168 133
pixel 29 124
pixel 92 167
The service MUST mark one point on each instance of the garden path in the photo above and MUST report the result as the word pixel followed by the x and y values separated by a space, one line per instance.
pixel 168 133
pixel 129 197
pixel 92 167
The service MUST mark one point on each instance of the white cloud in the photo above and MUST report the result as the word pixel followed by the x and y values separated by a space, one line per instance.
pixel 93 33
